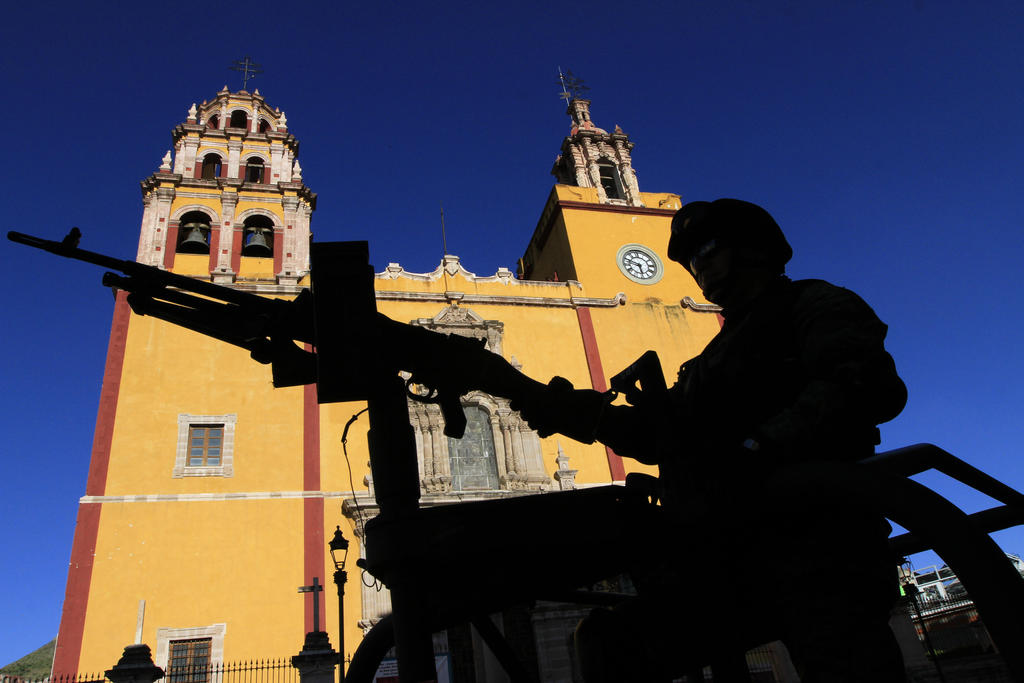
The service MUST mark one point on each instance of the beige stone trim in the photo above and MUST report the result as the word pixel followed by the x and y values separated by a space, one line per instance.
pixel 210 497
pixel 550 301
pixel 226 468
pixel 201 208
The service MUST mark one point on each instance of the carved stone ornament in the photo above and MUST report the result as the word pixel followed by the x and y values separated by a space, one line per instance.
pixel 516 447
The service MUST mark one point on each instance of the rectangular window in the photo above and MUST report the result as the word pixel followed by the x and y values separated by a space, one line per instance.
pixel 206 445
pixel 189 660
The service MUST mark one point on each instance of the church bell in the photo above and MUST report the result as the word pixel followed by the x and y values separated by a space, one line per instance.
pixel 195 239
pixel 257 243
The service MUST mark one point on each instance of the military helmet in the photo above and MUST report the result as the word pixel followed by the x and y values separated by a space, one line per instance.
pixel 746 228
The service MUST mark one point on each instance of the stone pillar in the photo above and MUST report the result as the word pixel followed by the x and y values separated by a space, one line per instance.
pixel 276 158
pixel 234 157
pixel 147 239
pixel 291 237
pixel 161 221
pixel 190 147
pixel 223 273
pixel 135 666
pixel 317 659
pixel 179 157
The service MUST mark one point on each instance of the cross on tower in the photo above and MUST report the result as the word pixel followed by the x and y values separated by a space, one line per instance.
pixel 248 68
pixel 314 589
pixel 572 86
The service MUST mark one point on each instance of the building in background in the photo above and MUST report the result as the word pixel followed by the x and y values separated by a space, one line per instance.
pixel 211 495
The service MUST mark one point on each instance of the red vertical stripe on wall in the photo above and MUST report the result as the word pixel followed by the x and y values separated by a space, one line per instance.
pixel 278 250
pixel 104 434
pixel 170 245
pixel 76 593
pixel 313 508
pixel 83 547
pixel 236 249
pixel 214 246
pixel 615 466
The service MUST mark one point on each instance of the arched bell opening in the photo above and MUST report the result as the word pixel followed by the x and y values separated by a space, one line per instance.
pixel 238 120
pixel 258 237
pixel 254 170
pixel 609 177
pixel 194 233
pixel 212 166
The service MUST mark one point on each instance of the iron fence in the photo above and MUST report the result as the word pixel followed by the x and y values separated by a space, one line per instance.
pixel 60 678
pixel 253 671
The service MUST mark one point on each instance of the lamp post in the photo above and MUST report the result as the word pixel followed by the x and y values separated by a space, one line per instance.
pixel 339 553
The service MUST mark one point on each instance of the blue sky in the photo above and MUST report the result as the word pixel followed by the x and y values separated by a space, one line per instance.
pixel 885 137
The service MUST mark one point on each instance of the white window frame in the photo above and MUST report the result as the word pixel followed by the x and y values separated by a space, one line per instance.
pixel 226 468
pixel 215 632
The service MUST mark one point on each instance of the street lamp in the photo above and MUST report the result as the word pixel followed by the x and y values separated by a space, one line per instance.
pixel 339 553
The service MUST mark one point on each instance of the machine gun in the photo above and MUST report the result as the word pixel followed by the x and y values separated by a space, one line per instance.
pixel 356 354
pixel 340 324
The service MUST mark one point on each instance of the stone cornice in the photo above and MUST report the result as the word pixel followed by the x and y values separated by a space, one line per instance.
pixel 269 288
pixel 453 267
pixel 615 208
pixel 511 300
pixel 688 302
pixel 238 184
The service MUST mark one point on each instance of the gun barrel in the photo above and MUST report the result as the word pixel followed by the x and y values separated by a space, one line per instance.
pixel 68 251
pixel 150 275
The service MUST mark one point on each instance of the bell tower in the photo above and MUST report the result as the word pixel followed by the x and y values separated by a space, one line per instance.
pixel 592 157
pixel 230 203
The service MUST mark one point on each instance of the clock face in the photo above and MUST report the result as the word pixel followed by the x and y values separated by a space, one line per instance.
pixel 640 264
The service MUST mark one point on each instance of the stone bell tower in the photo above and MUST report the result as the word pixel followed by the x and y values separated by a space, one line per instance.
pixel 592 157
pixel 229 203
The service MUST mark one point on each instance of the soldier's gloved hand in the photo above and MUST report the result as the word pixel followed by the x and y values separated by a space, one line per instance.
pixel 559 408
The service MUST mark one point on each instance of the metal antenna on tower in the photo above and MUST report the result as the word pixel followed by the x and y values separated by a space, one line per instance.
pixel 572 86
pixel 248 68
pixel 444 237
pixel 444 245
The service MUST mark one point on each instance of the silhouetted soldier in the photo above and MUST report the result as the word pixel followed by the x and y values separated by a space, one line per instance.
pixel 798 373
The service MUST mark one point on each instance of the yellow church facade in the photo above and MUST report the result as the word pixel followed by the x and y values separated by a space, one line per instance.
pixel 211 495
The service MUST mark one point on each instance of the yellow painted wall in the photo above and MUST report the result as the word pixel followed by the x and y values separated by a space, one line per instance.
pixel 197 564
pixel 239 561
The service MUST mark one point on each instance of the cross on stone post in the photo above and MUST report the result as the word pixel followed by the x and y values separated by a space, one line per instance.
pixel 314 589
pixel 317 659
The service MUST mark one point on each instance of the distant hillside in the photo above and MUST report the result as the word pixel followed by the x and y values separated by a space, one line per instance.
pixel 33 665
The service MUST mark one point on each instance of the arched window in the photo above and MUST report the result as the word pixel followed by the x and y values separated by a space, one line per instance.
pixel 212 165
pixel 610 180
pixel 472 459
pixel 194 233
pixel 254 170
pixel 258 237
pixel 264 126
pixel 238 120
pixel 213 122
